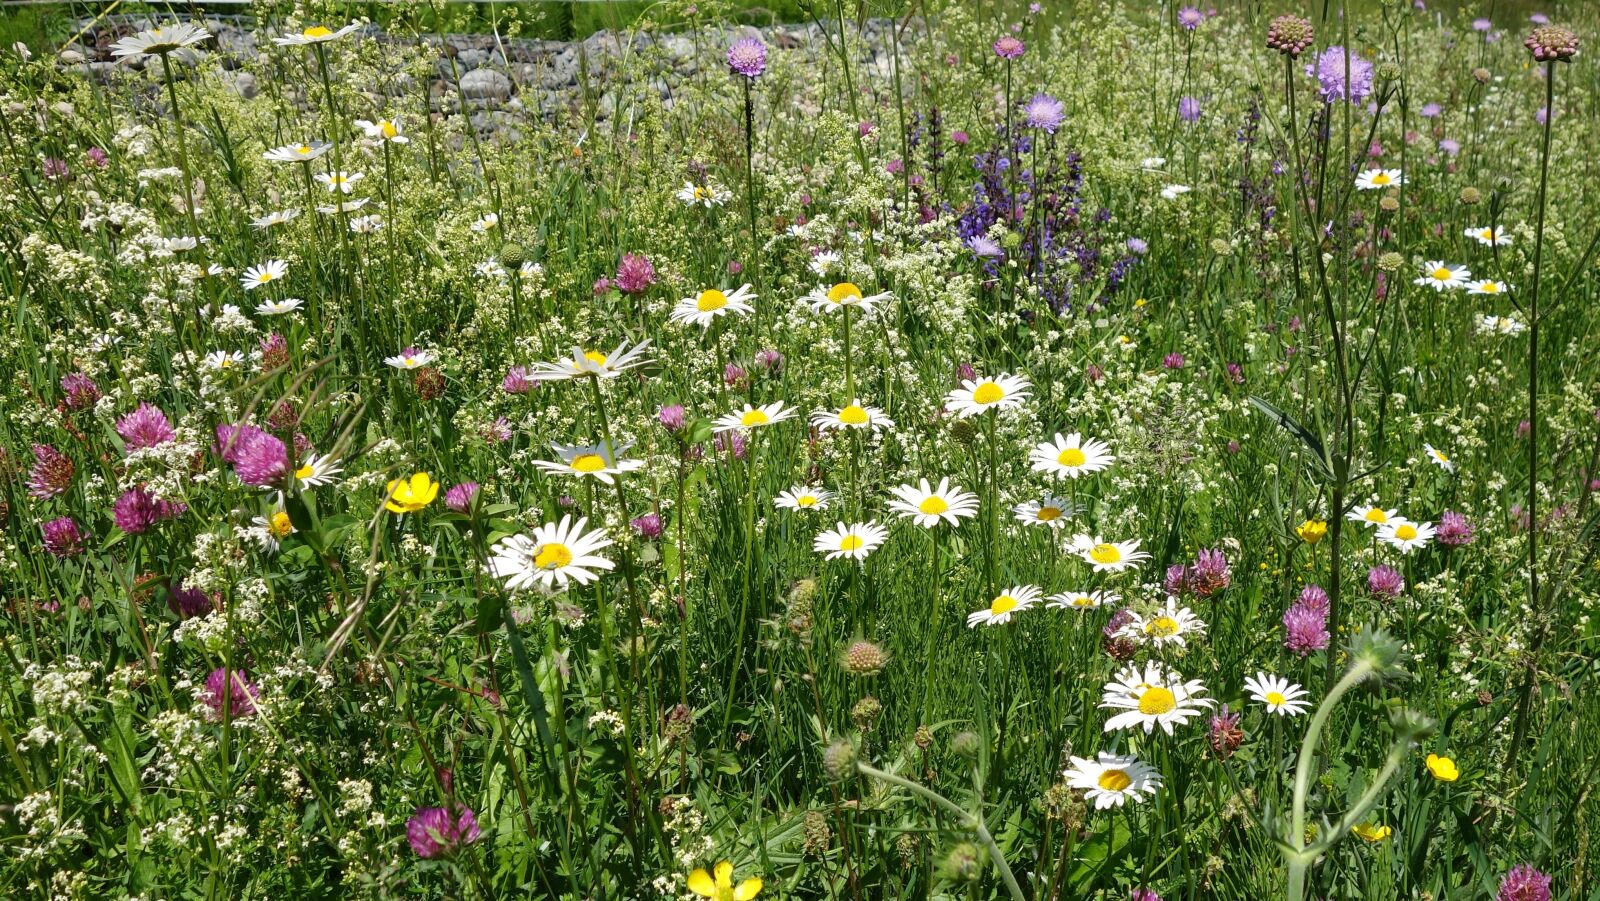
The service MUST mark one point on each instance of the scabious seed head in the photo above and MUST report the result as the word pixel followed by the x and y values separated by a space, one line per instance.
pixel 1290 35
pixel 1391 261
pixel 817 836
pixel 1552 43
pixel 1389 204
pixel 512 255
pixel 863 658
pixel 967 744
pixel 963 864
pixel 1470 195
pixel 839 760
pixel 866 712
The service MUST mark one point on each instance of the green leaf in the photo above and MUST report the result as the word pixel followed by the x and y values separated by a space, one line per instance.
pixel 1313 443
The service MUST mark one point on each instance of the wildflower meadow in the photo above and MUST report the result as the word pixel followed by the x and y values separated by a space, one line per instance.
pixel 887 449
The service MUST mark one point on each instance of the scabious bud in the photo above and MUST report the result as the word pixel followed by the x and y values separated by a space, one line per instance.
pixel 1290 35
pixel 512 255
pixel 839 760
pixel 963 864
pixel 1390 261
pixel 866 712
pixel 1552 43
pixel 863 658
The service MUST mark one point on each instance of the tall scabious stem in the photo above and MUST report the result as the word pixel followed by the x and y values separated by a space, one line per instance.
pixel 747 60
pixel 1549 44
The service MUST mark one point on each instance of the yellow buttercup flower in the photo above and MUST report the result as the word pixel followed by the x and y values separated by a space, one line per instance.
pixel 1372 832
pixel 1443 768
pixel 1312 530
pixel 721 888
pixel 412 494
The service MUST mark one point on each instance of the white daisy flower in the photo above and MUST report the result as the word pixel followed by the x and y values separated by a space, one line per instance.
pixel 1049 511
pixel 854 541
pixel 1173 192
pixel 1152 163
pixel 928 507
pixel 1489 236
pixel 980 395
pixel 1280 695
pixel 1441 276
pixel 279 307
pixel 592 363
pixel 342 182
pixel 409 359
pixel 708 195
pixel 1487 286
pixel 1111 781
pixel 754 417
pixel 366 225
pixel 1378 179
pixel 853 415
pixel 1108 556
pixel 317 470
pixel 1374 516
pixel 270 531
pixel 159 41
pixel 1406 536
pixel 316 34
pixel 842 295
pixel 387 130
pixel 593 460
pixel 554 555
pixel 1072 456
pixel 1170 624
pixel 270 271
pixel 800 498
pixel 486 222
pixel 1500 325
pixel 278 217
pixel 1015 599
pixel 704 308
pixel 1082 600
pixel 347 206
pixel 223 359
pixel 297 153
pixel 1439 459
pixel 1154 697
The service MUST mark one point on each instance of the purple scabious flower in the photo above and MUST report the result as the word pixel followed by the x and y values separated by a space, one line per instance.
pixel 1524 883
pixel 1430 111
pixel 673 418
pixel 436 832
pixel 81 391
pixel 137 510
pixel 1190 18
pixel 1481 24
pixel 635 274
pixel 1304 630
pixel 1385 582
pixel 1450 147
pixel 1138 246
pixel 145 427
pixel 52 472
pixel 188 603
pixel 1044 113
pixel 517 381
pixel 1189 109
pixel 984 246
pixel 259 458
pixel 1329 72
pixel 63 537
pixel 648 526
pixel 461 497
pixel 1009 47
pixel 237 699
pixel 1454 529
pixel 747 57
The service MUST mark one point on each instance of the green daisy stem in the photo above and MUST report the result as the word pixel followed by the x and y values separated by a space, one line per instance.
pixel 744 594
pixel 990 550
pixel 1303 770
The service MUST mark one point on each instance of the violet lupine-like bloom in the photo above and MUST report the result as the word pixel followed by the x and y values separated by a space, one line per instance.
pixel 137 510
pixel 1044 112
pixel 145 427
pixel 1290 35
pixel 648 526
pixel 188 603
pixel 81 391
pixel 1454 529
pixel 517 381
pixel 238 698
pixel 1224 733
pixel 635 274
pixel 1524 883
pixel 63 537
pixel 1190 18
pixel 1009 47
pixel 747 57
pixel 1305 630
pixel 673 418
pixel 52 472
pixel 1385 582
pixel 436 832
pixel 461 497
pixel 1552 43
pixel 1189 109
pixel 1330 75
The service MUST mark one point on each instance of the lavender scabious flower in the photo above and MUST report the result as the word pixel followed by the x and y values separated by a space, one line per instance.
pixel 436 832
pixel 649 526
pixel 673 418
pixel 52 472
pixel 635 274
pixel 461 497
pixel 237 699
pixel 984 246
pixel 1044 112
pixel 1454 529
pixel 1329 70
pixel 137 510
pixel 1190 18
pixel 1009 47
pixel 1524 883
pixel 1552 43
pixel 1305 630
pixel 63 537
pixel 81 391
pixel 1290 35
pixel 747 57
pixel 145 427
pixel 1224 733
pixel 1189 109
pixel 1385 582
pixel 187 602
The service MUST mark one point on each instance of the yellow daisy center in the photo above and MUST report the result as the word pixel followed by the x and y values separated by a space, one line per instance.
pixel 279 525
pixel 1440 455
pixel 988 393
pixel 1382 178
pixel 853 415
pixel 1376 515
pixel 317 31
pixel 806 500
pixel 1114 780
pixel 1157 700
pixel 1275 698
pixel 700 193
pixel 552 556
pixel 1441 274
pixel 754 417
pixel 305 471
pixel 1490 287
pixel 588 463
pixel 388 128
pixel 711 300
pixel 1048 514
pixel 1005 603
pixel 844 292
pixel 303 149
pixel 1487 234
pixel 266 276
pixel 933 505
pixel 1105 553
pixel 1161 627
pixel 1072 456
pixel 1406 532
pixel 595 357
pixel 850 543
pixel 1083 600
